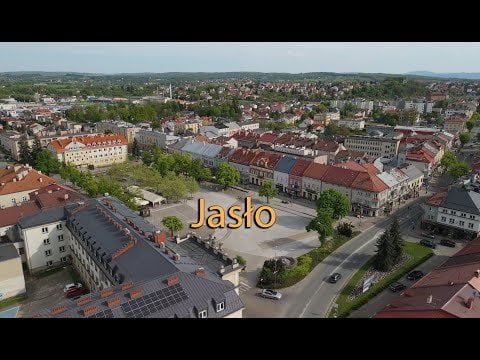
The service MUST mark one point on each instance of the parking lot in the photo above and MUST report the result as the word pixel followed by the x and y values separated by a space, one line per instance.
pixel 45 292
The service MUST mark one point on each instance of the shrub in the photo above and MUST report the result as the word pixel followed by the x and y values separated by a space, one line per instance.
pixel 345 228
pixel 241 260
pixel 91 167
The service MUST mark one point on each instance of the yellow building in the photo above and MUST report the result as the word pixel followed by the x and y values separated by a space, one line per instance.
pixel 101 150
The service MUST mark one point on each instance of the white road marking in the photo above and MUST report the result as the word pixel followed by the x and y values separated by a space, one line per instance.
pixel 377 234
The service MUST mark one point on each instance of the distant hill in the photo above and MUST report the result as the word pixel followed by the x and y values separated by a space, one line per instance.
pixel 468 76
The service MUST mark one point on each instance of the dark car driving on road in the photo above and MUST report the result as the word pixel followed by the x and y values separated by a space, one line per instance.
pixel 429 243
pixel 447 242
pixel 415 275
pixel 397 286
pixel 334 278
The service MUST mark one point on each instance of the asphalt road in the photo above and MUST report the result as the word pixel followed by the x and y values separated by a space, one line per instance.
pixel 313 296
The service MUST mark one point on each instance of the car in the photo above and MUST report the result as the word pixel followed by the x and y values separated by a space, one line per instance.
pixel 429 243
pixel 271 294
pixel 75 292
pixel 430 236
pixel 71 286
pixel 285 202
pixel 447 242
pixel 397 286
pixel 334 278
pixel 415 275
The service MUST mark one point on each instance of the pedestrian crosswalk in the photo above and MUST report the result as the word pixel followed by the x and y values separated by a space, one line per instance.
pixel 244 287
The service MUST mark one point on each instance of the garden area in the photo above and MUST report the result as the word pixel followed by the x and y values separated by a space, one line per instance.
pixel 352 298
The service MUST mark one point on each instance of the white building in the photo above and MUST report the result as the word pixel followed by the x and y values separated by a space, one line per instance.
pixel 12 282
pixel 356 124
pixel 386 147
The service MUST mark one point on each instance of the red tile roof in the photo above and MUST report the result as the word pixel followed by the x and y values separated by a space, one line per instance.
pixel 266 160
pixel 351 165
pixel 339 176
pixel 31 180
pixel 437 198
pixel 369 182
pixel 55 196
pixel 268 137
pixel 299 167
pixel 419 155
pixel 315 171
pixel 329 146
pixel 60 144
pixel 10 215
pixel 243 156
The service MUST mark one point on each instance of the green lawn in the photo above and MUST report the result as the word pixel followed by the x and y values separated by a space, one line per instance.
pixel 418 253
pixel 12 300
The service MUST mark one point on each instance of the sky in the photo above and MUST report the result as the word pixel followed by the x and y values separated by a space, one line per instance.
pixel 394 58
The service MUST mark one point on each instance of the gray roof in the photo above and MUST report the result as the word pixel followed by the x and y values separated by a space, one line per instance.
pixel 8 252
pixel 285 164
pixel 202 148
pixel 459 198
pixel 412 172
pixel 158 300
pixel 42 218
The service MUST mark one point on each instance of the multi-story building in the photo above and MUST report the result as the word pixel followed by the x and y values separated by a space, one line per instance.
pixel 240 159
pixel 12 281
pixel 157 138
pixel 455 124
pixel 454 210
pixel 281 171
pixel 328 148
pixel 295 176
pixel 17 182
pixel 133 271
pixel 127 130
pixel 207 153
pixel 262 167
pixel 356 124
pixel 386 147
pixel 327 117
pixel 101 150
pixel 249 125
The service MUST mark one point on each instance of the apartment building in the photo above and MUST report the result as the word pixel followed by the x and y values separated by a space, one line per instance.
pixel 355 124
pixel 17 182
pixel 155 138
pixel 127 130
pixel 262 167
pixel 281 172
pixel 101 150
pixel 454 210
pixel 386 147
pixel 240 159
pixel 455 124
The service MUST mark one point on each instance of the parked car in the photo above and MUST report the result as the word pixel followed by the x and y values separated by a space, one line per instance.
pixel 447 242
pixel 75 292
pixel 71 286
pixel 429 243
pixel 285 202
pixel 397 286
pixel 430 236
pixel 415 275
pixel 334 278
pixel 271 294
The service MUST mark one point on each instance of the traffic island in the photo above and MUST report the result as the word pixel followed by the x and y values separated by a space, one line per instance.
pixel 358 291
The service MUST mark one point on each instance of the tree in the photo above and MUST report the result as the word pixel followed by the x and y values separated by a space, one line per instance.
pixel 322 224
pixel 24 151
pixel 410 116
pixel 448 159
pixel 47 163
pixel 464 138
pixel 192 185
pixel 135 148
pixel 345 228
pixel 267 189
pixel 385 252
pixel 335 200
pixel 241 260
pixel 397 240
pixel 470 124
pixel 36 150
pixel 458 169
pixel 227 175
pixel 172 223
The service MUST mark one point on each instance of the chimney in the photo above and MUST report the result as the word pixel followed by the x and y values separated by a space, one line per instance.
pixel 84 301
pixel 200 272
pixel 429 299
pixel 477 273
pixel 172 280
pixel 14 179
pixel 127 286
pixel 49 191
pixel 106 293
pixel 90 311
pixel 39 179
pixel 469 303
pixel 65 196
pixel 58 310
pixel 159 237
pixel 135 294
pixel 113 302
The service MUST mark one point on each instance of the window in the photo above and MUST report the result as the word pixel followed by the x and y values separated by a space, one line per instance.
pixel 60 237
pixel 48 252
pixel 472 217
pixel 220 306
pixel 470 225
pixel 49 263
pixel 24 198
pixel 21 251
pixel 63 259
pixel 461 223
pixel 46 242
pixel 463 215
pixel 44 230
pixel 444 211
pixel 61 249
pixel 59 227
pixel 202 314
pixel 453 212
pixel 452 221
pixel 444 218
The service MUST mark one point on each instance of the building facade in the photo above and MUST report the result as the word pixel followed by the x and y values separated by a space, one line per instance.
pixel 386 147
